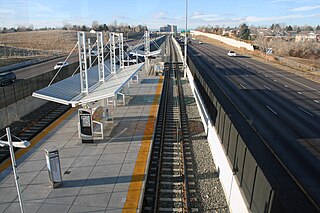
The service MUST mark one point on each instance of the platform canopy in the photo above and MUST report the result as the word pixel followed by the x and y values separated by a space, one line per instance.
pixel 68 91
pixel 142 53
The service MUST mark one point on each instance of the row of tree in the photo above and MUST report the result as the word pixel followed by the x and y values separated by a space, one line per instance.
pixel 113 27
pixel 244 31
pixel 280 27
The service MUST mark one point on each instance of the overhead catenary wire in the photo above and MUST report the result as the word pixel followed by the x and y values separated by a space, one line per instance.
pixel 63 63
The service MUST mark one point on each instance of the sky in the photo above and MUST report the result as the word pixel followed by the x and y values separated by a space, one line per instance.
pixel 157 13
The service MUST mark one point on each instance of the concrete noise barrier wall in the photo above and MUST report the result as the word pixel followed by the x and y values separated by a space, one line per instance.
pixel 225 40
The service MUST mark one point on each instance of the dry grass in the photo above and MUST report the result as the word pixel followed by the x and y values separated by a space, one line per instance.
pixel 50 40
pixel 258 56
pixel 6 62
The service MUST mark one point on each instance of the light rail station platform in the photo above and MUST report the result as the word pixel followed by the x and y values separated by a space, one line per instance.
pixel 104 176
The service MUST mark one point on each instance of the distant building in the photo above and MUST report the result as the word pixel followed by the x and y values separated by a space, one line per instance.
pixel 306 36
pixel 169 29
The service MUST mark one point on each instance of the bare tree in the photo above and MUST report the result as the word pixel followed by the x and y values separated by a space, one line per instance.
pixel 95 25
pixel 67 25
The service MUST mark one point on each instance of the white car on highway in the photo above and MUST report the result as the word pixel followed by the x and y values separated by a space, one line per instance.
pixel 232 53
pixel 60 64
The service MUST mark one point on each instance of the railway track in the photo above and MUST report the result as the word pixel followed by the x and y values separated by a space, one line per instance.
pixel 169 175
pixel 32 124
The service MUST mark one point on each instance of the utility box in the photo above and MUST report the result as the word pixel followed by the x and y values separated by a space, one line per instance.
pixel 54 168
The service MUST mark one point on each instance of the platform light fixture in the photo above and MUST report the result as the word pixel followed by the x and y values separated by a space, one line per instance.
pixel 18 144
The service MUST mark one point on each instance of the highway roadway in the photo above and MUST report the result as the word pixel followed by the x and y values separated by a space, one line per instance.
pixel 37 69
pixel 283 108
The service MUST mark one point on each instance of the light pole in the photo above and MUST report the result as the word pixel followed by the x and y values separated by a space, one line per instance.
pixel 11 144
pixel 186 43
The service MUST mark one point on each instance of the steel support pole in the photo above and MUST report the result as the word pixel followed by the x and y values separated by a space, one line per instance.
pixel 113 53
pixel 14 168
pixel 89 51
pixel 146 50
pixel 186 43
pixel 83 62
pixel 121 51
pixel 100 48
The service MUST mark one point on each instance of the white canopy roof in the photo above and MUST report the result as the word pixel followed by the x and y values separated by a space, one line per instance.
pixel 68 90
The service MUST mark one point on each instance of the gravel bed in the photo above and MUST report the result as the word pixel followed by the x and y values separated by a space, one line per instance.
pixel 209 193
pixel 17 127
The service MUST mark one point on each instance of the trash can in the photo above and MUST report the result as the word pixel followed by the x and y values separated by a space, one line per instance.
pixel 53 165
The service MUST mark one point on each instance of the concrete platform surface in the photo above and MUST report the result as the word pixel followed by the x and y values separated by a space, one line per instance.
pixel 105 176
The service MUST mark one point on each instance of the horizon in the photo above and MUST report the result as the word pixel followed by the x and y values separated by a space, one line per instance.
pixel 15 13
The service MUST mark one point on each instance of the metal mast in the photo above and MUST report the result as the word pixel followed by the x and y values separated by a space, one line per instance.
pixel 112 54
pixel 121 51
pixel 100 56
pixel 146 49
pixel 89 51
pixel 116 41
pixel 83 62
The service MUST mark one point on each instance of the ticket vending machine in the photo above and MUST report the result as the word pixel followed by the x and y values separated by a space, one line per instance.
pixel 86 125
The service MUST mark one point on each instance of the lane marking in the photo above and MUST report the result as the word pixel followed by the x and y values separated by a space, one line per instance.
pixel 274 112
pixel 316 101
pixel 301 84
pixel 306 111
pixel 38 138
pixel 226 73
pixel 138 176
pixel 243 86
pixel 267 87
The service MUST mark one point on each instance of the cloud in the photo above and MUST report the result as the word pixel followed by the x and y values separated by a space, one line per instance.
pixel 121 17
pixel 275 18
pixel 160 15
pixel 305 8
pixel 6 12
pixel 24 6
pixel 205 17
pixel 279 1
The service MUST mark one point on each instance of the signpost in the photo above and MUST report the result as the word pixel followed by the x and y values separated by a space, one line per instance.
pixel 269 51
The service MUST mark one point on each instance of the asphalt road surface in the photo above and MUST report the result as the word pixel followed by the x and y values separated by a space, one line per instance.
pixel 283 108
pixel 34 70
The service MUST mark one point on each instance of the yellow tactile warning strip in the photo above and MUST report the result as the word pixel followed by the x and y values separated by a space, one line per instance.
pixel 133 196
pixel 36 139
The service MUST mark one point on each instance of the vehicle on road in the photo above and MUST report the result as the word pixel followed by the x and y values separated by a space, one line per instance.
pixel 7 78
pixel 232 53
pixel 60 64
pixel 94 52
pixel 200 42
